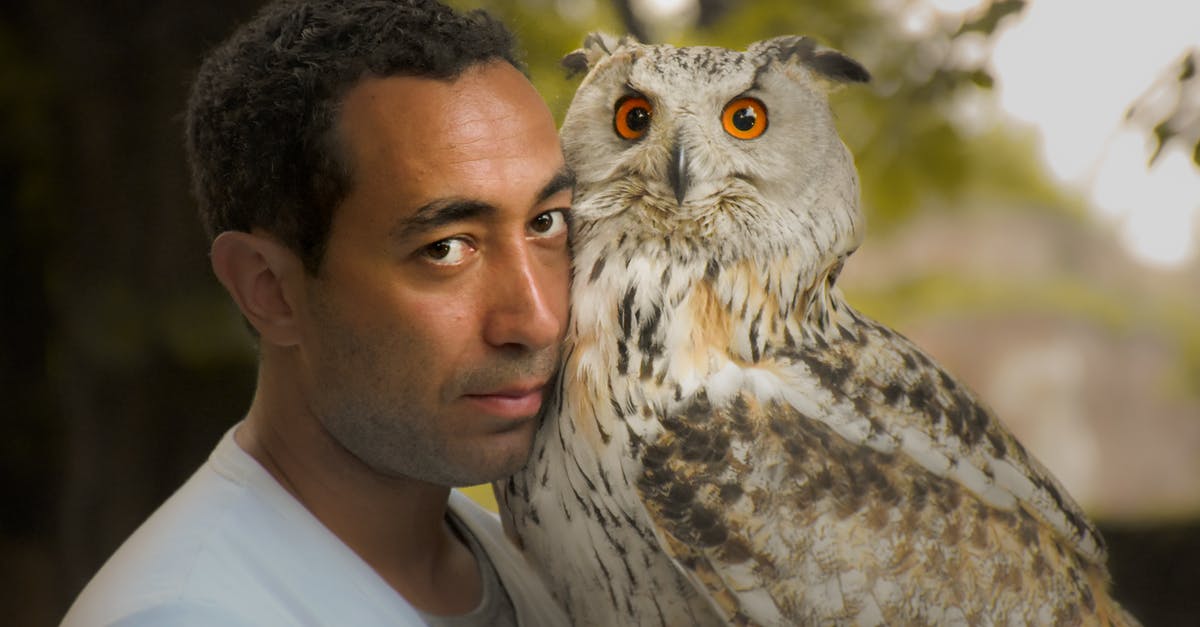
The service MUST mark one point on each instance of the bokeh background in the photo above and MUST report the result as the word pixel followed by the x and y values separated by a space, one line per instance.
pixel 1031 171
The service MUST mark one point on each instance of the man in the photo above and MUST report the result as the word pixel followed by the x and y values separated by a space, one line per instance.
pixel 389 206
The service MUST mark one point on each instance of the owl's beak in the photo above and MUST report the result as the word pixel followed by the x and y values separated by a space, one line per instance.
pixel 677 173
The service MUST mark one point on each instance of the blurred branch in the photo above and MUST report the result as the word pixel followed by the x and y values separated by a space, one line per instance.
pixel 996 12
pixel 1170 108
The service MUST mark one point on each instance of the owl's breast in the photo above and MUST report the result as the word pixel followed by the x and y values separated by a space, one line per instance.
pixel 652 321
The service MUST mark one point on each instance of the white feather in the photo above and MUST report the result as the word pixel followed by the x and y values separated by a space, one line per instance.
pixel 918 446
pixel 974 480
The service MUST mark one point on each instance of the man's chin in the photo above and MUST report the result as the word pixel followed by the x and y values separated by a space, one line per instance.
pixel 502 460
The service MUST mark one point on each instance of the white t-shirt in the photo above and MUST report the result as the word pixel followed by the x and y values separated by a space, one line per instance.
pixel 232 547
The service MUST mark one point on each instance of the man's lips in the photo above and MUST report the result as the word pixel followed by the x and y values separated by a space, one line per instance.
pixel 516 402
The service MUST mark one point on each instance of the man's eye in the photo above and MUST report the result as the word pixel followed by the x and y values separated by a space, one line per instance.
pixel 447 252
pixel 550 223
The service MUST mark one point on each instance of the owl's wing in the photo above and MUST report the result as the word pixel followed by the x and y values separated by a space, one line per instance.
pixel 787 472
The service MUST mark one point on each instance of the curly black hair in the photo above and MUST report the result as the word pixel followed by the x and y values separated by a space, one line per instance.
pixel 261 117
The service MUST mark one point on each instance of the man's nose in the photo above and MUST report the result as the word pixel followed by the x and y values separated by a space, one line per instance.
pixel 528 300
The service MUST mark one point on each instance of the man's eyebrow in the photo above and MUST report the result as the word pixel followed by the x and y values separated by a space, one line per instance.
pixel 563 179
pixel 443 211
pixel 438 213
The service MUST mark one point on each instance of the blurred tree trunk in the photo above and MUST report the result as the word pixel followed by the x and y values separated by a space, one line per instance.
pixel 633 25
pixel 125 248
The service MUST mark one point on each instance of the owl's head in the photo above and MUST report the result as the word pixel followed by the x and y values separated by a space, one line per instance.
pixel 721 146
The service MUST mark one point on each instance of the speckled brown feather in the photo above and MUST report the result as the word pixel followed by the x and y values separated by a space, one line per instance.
pixel 778 496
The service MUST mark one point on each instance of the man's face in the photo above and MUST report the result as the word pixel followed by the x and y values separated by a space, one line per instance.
pixel 435 321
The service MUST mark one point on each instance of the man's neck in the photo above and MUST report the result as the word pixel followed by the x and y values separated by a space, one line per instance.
pixel 397 525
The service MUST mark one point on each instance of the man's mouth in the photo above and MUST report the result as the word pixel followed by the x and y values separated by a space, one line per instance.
pixel 515 401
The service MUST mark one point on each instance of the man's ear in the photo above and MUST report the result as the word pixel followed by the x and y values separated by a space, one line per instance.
pixel 260 275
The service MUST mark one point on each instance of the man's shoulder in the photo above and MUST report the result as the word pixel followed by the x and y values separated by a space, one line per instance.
pixel 172 613
pixel 232 547
pixel 190 561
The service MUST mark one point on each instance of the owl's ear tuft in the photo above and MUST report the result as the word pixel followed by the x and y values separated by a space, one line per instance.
pixel 827 63
pixel 838 67
pixel 575 63
pixel 595 47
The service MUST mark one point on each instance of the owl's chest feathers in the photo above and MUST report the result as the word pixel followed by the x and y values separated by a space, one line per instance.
pixel 648 330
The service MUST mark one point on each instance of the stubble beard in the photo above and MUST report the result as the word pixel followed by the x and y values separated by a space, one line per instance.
pixel 368 403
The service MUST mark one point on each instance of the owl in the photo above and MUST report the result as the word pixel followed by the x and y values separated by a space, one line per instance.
pixel 730 443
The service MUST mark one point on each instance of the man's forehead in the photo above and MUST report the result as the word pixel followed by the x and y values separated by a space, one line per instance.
pixel 420 115
pixel 484 138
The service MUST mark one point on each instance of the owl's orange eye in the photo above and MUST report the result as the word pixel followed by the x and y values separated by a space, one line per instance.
pixel 745 118
pixel 632 118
